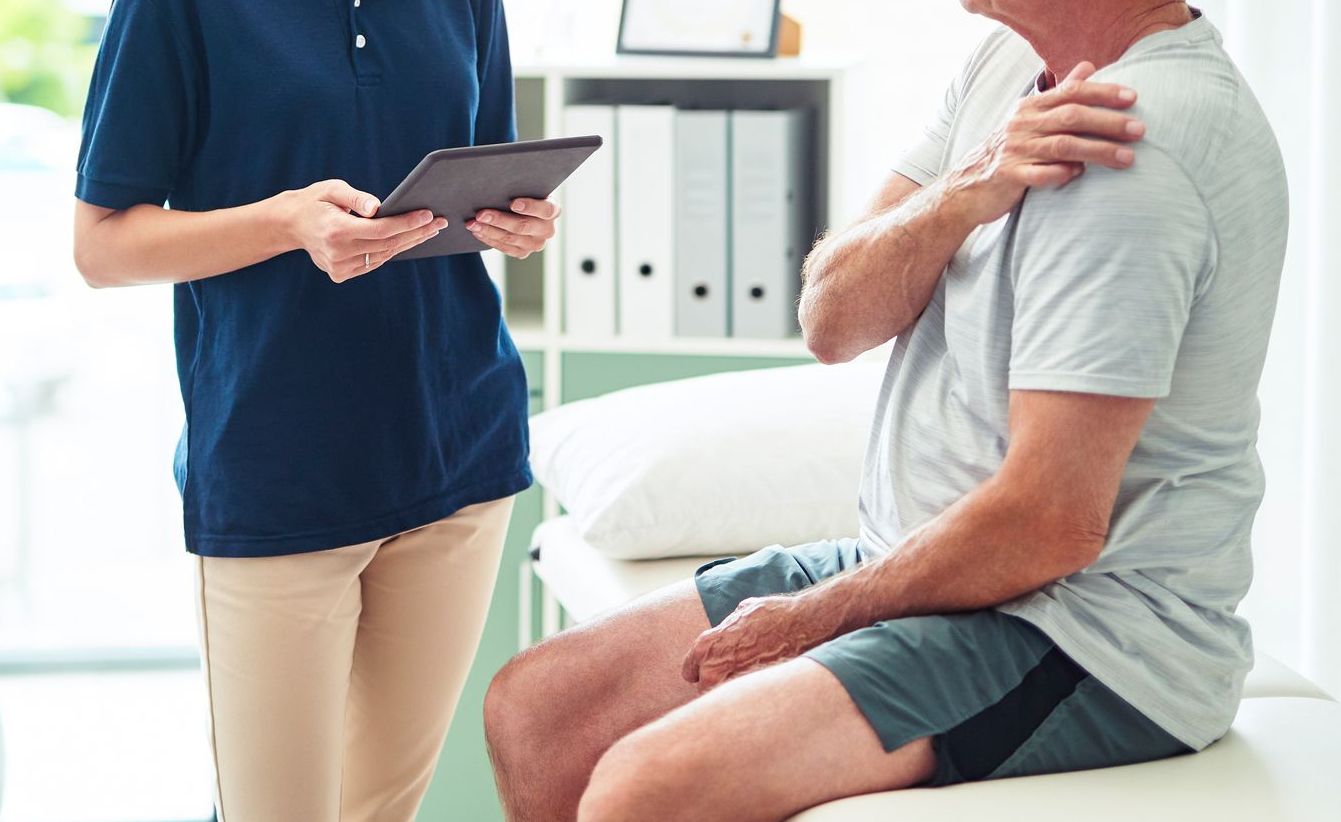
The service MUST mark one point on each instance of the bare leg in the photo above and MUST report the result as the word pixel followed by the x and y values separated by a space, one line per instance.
pixel 553 711
pixel 757 749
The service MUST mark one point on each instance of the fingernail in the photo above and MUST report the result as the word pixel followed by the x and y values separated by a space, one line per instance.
pixel 519 207
pixel 472 226
pixel 442 223
pixel 1126 95
pixel 1135 128
pixel 486 218
pixel 368 206
pixel 425 217
pixel 1125 156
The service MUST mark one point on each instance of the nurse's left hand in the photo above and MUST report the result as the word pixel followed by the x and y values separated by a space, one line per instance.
pixel 520 232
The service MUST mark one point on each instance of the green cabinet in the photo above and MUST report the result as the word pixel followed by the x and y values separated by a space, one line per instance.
pixel 590 374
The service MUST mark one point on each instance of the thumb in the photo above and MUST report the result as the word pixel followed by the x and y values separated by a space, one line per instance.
pixel 1083 70
pixel 342 194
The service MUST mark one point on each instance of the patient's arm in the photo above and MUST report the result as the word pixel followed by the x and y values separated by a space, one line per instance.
pixel 869 283
pixel 866 284
pixel 1043 516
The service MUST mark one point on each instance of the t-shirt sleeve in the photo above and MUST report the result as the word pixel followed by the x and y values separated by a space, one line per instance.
pixel 141 119
pixel 1106 273
pixel 496 120
pixel 922 161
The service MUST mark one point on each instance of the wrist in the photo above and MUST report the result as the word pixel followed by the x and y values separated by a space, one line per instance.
pixel 825 615
pixel 279 222
pixel 960 201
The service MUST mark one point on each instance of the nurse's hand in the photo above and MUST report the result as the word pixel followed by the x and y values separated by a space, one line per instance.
pixel 328 221
pixel 520 232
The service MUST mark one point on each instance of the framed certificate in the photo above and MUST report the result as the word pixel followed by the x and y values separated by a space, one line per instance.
pixel 706 28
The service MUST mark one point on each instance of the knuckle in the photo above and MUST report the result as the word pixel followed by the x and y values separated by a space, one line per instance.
pixel 1070 115
pixel 1062 147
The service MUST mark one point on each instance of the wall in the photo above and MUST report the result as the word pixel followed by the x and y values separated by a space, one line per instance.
pixel 1287 53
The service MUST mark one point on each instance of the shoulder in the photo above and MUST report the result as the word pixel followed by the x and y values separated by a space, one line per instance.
pixel 177 11
pixel 168 23
pixel 1193 101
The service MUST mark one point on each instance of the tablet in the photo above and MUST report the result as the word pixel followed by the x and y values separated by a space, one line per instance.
pixel 457 182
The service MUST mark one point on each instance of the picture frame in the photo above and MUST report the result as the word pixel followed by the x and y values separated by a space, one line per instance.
pixel 700 28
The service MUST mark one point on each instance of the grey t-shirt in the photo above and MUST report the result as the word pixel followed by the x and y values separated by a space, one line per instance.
pixel 1156 281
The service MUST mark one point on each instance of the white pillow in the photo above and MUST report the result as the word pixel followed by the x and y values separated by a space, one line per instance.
pixel 721 464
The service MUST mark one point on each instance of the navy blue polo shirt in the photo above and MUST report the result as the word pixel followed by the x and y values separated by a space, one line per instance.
pixel 318 415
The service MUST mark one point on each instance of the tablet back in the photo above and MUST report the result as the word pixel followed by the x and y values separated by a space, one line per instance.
pixel 457 182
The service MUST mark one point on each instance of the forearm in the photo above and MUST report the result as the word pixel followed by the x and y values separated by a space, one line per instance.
pixel 992 546
pixel 869 283
pixel 148 244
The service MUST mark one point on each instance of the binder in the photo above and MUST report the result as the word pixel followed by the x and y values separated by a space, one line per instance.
pixel 772 219
pixel 646 248
pixel 590 226
pixel 703 223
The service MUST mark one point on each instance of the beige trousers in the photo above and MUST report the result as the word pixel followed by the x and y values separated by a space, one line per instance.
pixel 333 675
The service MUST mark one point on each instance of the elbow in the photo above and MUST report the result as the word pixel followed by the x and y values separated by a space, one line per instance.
pixel 89 265
pixel 92 278
pixel 827 349
pixel 1062 536
pixel 824 335
pixel 1074 546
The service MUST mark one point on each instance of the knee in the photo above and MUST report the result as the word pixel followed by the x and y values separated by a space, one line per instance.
pixel 635 779
pixel 510 702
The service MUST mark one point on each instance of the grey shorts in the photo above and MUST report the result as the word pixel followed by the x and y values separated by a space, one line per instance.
pixel 994 694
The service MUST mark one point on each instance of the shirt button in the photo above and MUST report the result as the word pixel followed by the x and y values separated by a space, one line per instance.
pixel 358 3
pixel 360 41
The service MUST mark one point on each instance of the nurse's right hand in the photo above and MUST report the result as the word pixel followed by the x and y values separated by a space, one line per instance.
pixel 329 221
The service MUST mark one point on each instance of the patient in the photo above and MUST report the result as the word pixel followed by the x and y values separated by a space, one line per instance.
pixel 1081 270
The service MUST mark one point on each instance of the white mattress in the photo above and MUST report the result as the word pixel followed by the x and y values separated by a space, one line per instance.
pixel 1279 763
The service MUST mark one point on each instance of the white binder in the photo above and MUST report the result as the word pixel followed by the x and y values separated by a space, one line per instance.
pixel 590 229
pixel 703 223
pixel 772 208
pixel 647 173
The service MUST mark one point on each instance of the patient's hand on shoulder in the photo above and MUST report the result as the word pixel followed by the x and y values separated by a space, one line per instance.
pixel 1047 142
pixel 758 633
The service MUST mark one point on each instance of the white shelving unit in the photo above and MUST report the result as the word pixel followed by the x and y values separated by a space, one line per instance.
pixel 823 84
pixel 831 87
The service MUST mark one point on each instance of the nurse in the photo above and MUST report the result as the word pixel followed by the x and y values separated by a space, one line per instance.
pixel 356 428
